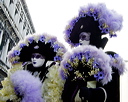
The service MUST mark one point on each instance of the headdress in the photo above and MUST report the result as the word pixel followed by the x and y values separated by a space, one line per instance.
pixel 44 44
pixel 85 62
pixel 96 19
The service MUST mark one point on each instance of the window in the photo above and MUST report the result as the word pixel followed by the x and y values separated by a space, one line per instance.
pixel 21 16
pixel 27 32
pixel 11 2
pixel 24 25
pixel 16 11
pixel 20 20
pixel 18 5
pixel 1 35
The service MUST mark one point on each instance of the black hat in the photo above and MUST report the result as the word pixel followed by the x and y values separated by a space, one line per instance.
pixel 95 19
pixel 44 44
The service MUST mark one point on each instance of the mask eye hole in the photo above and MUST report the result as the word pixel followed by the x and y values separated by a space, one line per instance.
pixel 36 56
pixel 84 36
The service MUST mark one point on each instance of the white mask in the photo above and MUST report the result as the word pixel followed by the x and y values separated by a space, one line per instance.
pixel 37 60
pixel 84 38
pixel 84 42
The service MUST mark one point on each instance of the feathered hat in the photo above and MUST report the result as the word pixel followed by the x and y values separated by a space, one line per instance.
pixel 44 44
pixel 96 19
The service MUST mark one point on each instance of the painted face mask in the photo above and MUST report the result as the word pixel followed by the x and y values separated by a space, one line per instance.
pixel 84 38
pixel 37 60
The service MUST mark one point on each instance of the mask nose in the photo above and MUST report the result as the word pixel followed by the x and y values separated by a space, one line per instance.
pixel 33 59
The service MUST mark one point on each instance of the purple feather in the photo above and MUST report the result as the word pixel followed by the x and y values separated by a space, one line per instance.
pixel 118 63
pixel 27 86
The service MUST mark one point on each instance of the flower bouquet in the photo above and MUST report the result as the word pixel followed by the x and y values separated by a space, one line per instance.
pixel 86 63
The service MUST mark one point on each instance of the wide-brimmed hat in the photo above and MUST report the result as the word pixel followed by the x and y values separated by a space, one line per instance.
pixel 44 44
pixel 96 19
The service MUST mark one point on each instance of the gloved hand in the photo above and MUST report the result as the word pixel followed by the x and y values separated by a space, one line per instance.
pixel 85 93
pixel 92 94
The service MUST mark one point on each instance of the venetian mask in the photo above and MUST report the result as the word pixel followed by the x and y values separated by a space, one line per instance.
pixel 37 60
pixel 84 38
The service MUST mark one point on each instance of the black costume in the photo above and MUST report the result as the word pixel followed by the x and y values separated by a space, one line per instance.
pixel 112 88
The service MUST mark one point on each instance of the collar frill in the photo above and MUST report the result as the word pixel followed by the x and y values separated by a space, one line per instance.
pixel 53 85
pixel 8 92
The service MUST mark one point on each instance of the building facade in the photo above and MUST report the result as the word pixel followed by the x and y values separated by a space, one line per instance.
pixel 15 24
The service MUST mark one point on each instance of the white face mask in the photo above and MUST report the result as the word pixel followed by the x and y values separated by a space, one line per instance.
pixel 84 38
pixel 84 42
pixel 37 60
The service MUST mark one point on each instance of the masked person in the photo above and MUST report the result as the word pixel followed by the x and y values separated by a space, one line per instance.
pixel 93 21
pixel 87 29
pixel 112 88
pixel 85 64
pixel 32 59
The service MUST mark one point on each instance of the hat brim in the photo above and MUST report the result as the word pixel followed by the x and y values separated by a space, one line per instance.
pixel 88 25
pixel 47 46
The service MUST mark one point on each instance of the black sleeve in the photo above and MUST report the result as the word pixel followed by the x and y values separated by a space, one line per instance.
pixel 113 88
pixel 70 90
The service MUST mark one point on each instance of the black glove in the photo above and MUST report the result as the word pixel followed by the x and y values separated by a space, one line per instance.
pixel 92 94
pixel 85 93
pixel 71 88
